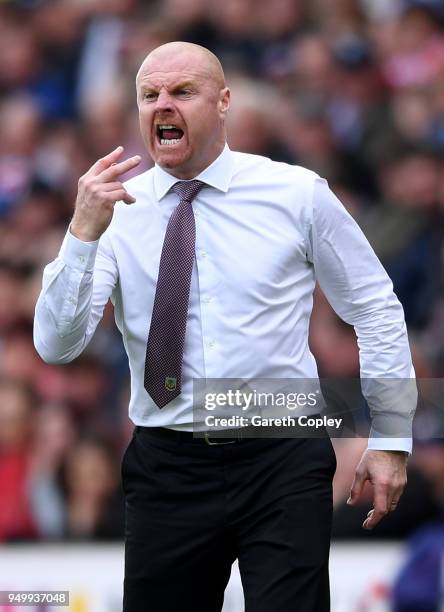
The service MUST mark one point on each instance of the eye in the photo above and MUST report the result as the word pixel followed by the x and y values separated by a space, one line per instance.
pixel 149 95
pixel 184 92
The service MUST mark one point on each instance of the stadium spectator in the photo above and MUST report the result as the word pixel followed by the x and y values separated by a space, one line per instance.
pixel 16 412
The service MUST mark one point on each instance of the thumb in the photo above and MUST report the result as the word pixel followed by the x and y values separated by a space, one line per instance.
pixel 356 488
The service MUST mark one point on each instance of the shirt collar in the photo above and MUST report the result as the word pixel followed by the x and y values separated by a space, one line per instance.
pixel 217 175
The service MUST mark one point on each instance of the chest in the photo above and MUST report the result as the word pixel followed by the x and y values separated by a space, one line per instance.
pixel 243 243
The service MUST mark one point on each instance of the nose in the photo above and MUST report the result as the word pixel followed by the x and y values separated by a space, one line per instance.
pixel 164 102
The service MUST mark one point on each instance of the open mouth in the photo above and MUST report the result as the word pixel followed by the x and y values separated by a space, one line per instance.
pixel 168 134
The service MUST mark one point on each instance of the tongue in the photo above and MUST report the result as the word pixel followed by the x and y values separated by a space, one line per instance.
pixel 170 134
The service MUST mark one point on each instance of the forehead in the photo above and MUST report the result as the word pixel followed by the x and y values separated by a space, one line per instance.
pixel 173 68
pixel 168 79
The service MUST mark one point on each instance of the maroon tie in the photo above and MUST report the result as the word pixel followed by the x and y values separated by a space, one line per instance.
pixel 164 351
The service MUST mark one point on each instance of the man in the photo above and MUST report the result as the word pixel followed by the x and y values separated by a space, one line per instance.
pixel 211 270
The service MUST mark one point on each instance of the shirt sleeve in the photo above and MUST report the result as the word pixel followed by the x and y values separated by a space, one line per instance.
pixel 76 287
pixel 361 293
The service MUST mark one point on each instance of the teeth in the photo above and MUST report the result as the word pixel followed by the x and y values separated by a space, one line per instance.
pixel 173 141
pixel 166 127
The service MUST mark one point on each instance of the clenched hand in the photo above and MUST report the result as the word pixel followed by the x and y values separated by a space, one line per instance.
pixel 386 470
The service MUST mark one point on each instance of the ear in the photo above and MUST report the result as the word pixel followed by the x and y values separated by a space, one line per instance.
pixel 224 102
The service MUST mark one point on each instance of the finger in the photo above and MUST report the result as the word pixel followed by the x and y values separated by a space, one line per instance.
pixel 119 195
pixel 365 523
pixel 395 500
pixel 381 504
pixel 356 488
pixel 111 186
pixel 373 519
pixel 105 162
pixel 112 172
pixel 396 493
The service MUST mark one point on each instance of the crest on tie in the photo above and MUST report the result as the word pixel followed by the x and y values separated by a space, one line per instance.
pixel 170 383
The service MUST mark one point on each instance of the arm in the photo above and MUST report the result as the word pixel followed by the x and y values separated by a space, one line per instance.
pixel 77 285
pixel 360 291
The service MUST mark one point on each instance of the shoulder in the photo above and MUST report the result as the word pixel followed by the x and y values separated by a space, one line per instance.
pixel 268 172
pixel 248 162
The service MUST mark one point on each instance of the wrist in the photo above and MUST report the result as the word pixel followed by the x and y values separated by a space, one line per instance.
pixel 399 453
pixel 83 234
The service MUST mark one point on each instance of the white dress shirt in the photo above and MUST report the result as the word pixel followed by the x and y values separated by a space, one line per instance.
pixel 265 232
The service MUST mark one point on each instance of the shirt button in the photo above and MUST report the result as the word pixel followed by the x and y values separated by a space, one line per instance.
pixel 207 299
pixel 71 300
pixel 211 344
pixel 203 254
pixel 81 259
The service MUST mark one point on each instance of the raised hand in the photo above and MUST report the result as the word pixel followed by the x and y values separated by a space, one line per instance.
pixel 99 189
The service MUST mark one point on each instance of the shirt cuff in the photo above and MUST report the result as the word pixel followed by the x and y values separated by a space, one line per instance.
pixel 78 254
pixel 391 444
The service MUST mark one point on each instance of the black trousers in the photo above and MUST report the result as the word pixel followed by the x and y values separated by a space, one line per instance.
pixel 192 509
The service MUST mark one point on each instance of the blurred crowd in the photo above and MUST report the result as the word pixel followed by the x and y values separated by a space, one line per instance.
pixel 353 89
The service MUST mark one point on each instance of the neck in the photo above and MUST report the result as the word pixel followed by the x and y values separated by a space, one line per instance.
pixel 186 174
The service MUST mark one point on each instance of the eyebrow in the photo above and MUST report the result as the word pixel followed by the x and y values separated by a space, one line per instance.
pixel 180 85
pixel 185 85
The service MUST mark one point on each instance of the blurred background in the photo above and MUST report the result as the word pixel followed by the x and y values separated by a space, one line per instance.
pixel 353 89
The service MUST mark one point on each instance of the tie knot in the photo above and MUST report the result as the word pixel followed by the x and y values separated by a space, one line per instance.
pixel 187 190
